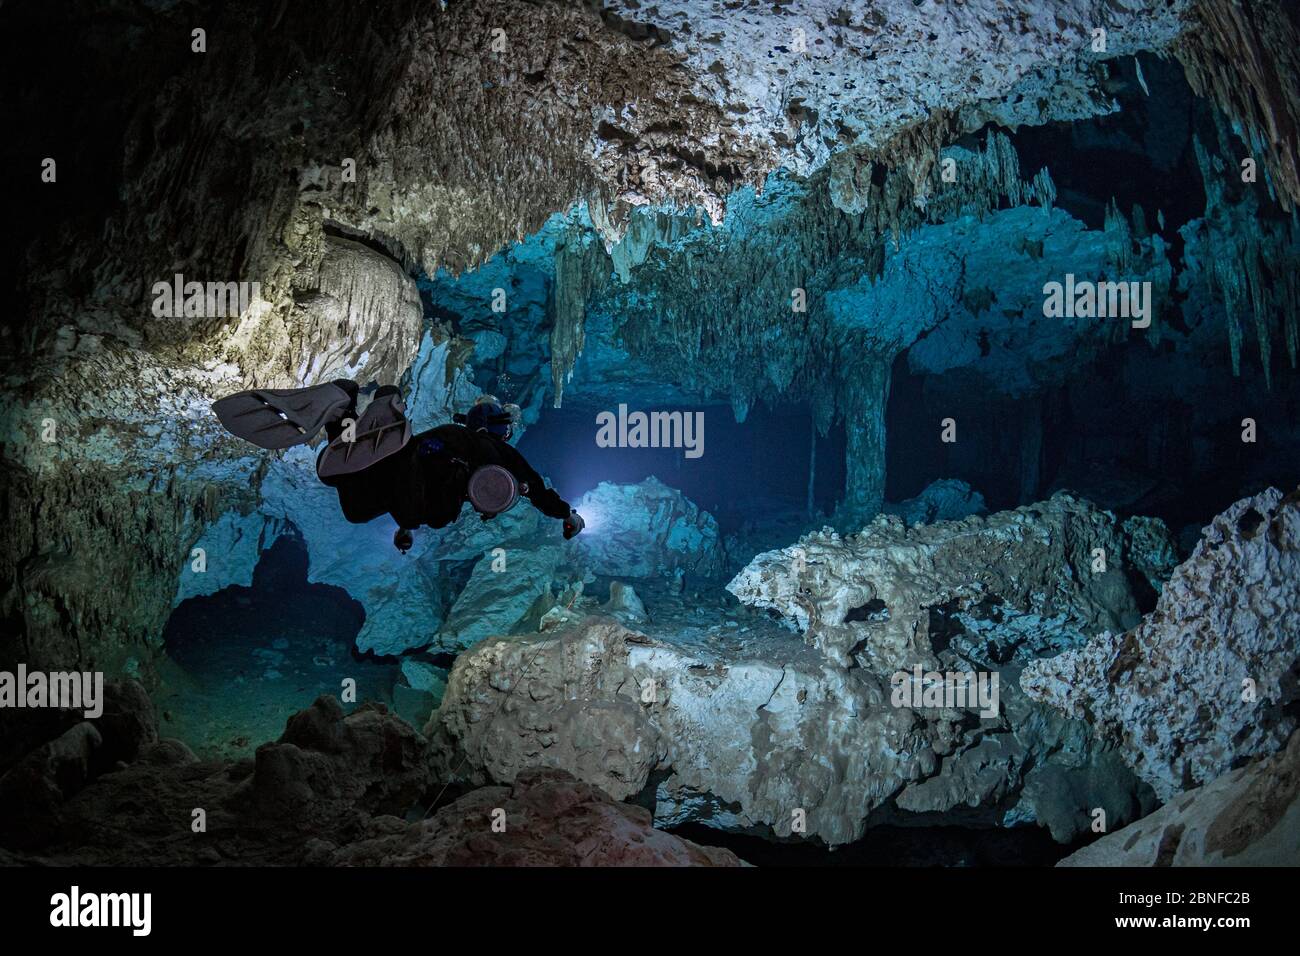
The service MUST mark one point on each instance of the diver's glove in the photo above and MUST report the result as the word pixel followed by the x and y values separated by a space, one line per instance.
pixel 403 539
pixel 573 524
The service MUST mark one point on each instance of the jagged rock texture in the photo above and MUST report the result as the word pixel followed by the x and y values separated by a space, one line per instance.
pixel 1247 817
pixel 871 597
pixel 331 791
pixel 746 731
pixel 1203 681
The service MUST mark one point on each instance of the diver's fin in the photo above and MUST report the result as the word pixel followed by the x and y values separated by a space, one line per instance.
pixel 276 418
pixel 382 430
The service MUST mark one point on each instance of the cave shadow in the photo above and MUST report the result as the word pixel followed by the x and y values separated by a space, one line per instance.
pixel 239 662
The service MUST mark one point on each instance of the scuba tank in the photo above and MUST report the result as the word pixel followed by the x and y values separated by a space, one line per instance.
pixel 492 490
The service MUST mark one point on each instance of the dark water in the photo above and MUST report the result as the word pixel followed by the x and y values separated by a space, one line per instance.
pixel 895 846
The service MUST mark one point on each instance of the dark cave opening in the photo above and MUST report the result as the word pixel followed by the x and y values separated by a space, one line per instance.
pixel 242 660
pixel 1119 431
pixel 1139 156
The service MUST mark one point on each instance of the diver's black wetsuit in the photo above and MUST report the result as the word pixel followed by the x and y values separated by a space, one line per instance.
pixel 426 482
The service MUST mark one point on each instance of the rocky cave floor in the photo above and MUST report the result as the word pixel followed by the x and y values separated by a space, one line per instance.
pixel 747 716
pixel 841 251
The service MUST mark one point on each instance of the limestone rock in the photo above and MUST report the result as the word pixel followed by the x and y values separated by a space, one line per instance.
pixel 640 530
pixel 1202 682
pixel 566 701
pixel 326 760
pixel 549 819
pixel 624 603
pixel 1247 817
pixel 326 778
pixel 35 789
pixel 874 596
pixel 743 731
pixel 425 677
pixel 944 500
pixel 496 599
pixel 32 792
pixel 360 320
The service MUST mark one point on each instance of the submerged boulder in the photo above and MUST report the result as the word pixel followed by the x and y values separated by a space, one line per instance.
pixel 1248 817
pixel 545 818
pixel 1202 682
pixel 947 499
pixel 625 603
pixel 886 596
pixel 756 731
pixel 567 701
pixel 502 590
pixel 636 531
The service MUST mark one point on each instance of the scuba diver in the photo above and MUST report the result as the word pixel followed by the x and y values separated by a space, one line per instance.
pixel 377 466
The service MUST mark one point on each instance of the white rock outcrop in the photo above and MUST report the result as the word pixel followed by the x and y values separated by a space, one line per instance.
pixel 636 531
pixel 872 596
pixel 757 731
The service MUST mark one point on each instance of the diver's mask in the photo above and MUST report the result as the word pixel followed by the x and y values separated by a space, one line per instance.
pixel 493 490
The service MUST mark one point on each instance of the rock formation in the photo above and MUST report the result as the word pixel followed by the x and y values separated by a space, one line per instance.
pixel 1204 681
pixel 546 818
pixel 332 790
pixel 809 207
pixel 659 174
pixel 645 529
pixel 1247 817
pixel 875 597
pixel 751 730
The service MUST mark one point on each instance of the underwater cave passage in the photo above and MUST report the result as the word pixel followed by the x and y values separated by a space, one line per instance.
pixel 239 662
pixel 754 472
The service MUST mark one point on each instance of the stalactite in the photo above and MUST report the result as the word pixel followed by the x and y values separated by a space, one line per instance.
pixel 1119 239
pixel 984 179
pixel 1245 56
pixel 581 268
pixel 1250 263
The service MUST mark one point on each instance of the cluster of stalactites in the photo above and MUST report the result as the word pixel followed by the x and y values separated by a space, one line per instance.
pixel 1245 57
pixel 581 270
pixel 1253 264
pixel 916 179
pixel 741 315
pixel 1132 250
pixel 982 179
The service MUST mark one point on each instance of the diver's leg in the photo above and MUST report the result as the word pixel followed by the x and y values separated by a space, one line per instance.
pixel 360 499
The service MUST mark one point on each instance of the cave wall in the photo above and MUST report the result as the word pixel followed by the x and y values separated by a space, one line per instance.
pixel 679 192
